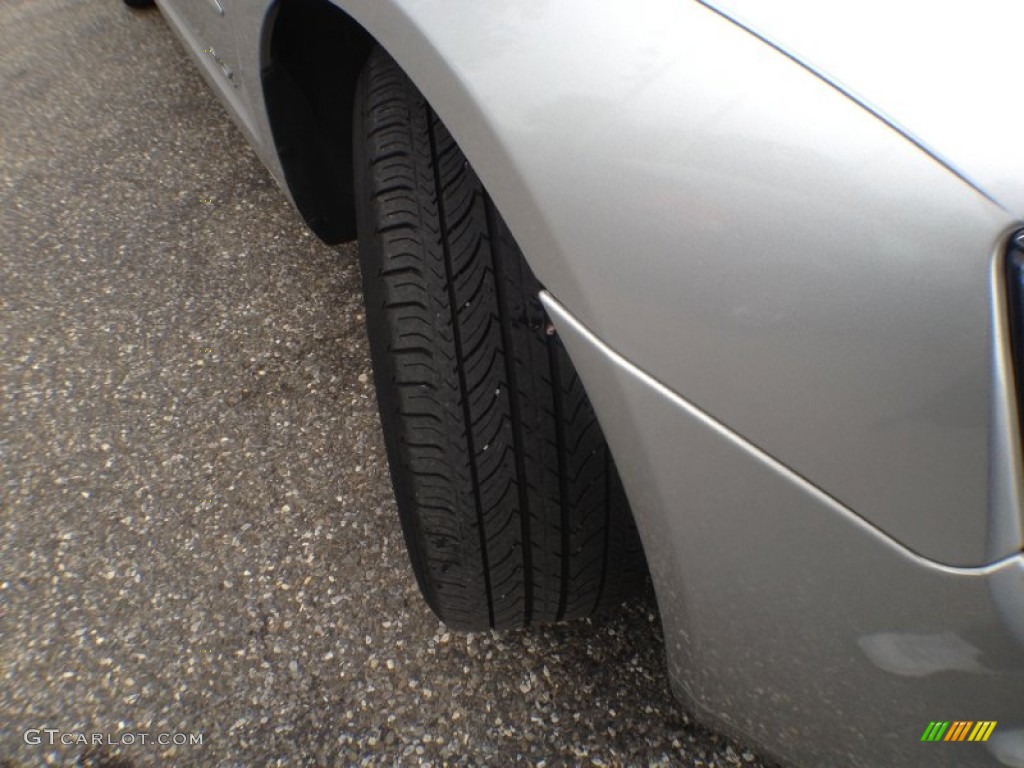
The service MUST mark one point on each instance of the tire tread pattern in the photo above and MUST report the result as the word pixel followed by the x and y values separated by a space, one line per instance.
pixel 510 503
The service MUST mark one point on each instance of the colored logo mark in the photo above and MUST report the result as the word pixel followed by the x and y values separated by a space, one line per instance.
pixel 959 730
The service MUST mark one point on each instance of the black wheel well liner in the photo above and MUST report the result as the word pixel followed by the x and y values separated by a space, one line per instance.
pixel 312 54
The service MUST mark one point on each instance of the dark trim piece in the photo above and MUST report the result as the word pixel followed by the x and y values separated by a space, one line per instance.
pixel 1014 273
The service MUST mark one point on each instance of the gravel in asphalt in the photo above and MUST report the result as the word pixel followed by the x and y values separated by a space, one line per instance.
pixel 197 532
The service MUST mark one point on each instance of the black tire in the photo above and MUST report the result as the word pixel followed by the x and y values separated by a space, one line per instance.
pixel 512 510
pixel 139 3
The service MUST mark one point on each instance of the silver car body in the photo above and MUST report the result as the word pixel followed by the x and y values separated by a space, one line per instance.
pixel 771 235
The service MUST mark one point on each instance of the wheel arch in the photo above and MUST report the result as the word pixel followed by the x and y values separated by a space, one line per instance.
pixel 308 82
pixel 309 86
pixel 311 55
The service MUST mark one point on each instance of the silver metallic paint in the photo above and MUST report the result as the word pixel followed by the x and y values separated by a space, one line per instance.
pixel 943 72
pixel 787 616
pixel 813 384
pixel 823 284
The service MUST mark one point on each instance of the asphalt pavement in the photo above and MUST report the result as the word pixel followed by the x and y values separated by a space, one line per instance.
pixel 197 533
